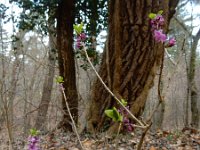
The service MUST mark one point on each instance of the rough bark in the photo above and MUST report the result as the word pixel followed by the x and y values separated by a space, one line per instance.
pixel 192 83
pixel 65 19
pixel 48 82
pixel 133 60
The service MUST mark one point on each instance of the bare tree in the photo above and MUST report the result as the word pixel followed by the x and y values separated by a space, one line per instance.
pixel 48 82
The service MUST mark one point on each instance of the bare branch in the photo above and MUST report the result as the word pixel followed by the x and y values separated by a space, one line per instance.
pixel 183 26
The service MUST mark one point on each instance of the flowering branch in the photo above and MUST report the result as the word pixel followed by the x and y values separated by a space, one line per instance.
pixel 157 22
pixel 59 80
pixel 112 94
pixel 33 140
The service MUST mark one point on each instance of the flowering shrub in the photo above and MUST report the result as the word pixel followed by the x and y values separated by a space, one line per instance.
pixel 120 115
pixel 159 36
pixel 33 140
pixel 89 44
pixel 157 22
pixel 80 38
pixel 172 42
pixel 127 125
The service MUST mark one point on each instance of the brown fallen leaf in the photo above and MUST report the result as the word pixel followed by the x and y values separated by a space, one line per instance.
pixel 152 148
pixel 87 143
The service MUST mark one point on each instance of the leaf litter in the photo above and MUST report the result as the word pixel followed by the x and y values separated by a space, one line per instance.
pixel 187 139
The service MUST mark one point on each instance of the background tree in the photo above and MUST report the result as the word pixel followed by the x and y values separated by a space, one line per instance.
pixel 192 82
pixel 3 47
pixel 33 17
pixel 186 24
pixel 65 22
pixel 49 76
pixel 93 13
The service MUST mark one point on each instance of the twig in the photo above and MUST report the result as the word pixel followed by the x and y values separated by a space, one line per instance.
pixel 111 93
pixel 9 129
pixel 143 136
pixel 172 61
pixel 184 27
pixel 159 88
pixel 73 123
pixel 160 78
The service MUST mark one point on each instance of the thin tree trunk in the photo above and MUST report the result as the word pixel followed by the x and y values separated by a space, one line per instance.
pixel 3 94
pixel 134 57
pixel 48 83
pixel 17 48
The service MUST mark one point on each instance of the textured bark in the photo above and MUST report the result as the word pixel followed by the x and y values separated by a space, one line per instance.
pixel 134 57
pixel 65 20
pixel 192 83
pixel 48 82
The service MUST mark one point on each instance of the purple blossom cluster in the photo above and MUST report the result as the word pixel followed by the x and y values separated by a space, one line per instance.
pixel 157 22
pixel 33 143
pixel 157 25
pixel 80 38
pixel 128 126
pixel 61 87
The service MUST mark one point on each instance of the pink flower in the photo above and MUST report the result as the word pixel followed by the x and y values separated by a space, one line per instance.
pixel 33 143
pixel 160 20
pixel 172 42
pixel 159 36
pixel 33 139
pixel 157 22
pixel 78 44
pixel 82 36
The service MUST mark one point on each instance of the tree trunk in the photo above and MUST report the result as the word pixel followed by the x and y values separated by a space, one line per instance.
pixel 192 83
pixel 132 57
pixel 48 83
pixel 65 22
pixel 17 48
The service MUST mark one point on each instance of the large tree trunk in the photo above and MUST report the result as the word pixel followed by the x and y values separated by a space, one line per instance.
pixel 48 82
pixel 65 22
pixel 132 57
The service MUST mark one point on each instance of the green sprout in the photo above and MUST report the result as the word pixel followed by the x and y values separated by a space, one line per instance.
pixel 114 114
pixel 153 15
pixel 34 132
pixel 124 102
pixel 78 28
pixel 59 79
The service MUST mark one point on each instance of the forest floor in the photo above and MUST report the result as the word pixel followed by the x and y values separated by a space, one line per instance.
pixel 187 139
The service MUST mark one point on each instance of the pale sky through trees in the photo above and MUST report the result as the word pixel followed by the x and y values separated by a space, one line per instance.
pixel 191 9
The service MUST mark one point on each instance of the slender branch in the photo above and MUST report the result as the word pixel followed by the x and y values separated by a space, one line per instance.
pixel 73 123
pixel 160 78
pixel 106 87
pixel 183 26
pixel 159 88
pixel 171 60
pixel 142 138
pixel 108 67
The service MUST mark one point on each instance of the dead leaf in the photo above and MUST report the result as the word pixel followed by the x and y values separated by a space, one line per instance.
pixel 152 148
